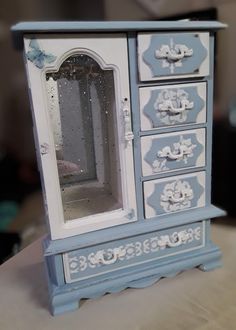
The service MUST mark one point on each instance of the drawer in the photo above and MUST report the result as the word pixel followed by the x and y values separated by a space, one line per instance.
pixel 173 55
pixel 174 194
pixel 173 151
pixel 172 105
pixel 141 249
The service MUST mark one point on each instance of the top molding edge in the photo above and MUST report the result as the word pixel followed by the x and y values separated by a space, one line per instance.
pixel 18 30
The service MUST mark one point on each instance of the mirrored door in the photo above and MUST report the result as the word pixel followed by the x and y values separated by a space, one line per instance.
pixel 80 101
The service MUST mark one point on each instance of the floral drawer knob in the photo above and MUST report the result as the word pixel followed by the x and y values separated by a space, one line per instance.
pixel 181 150
pixel 173 52
pixel 176 196
pixel 173 102
pixel 173 55
pixel 168 105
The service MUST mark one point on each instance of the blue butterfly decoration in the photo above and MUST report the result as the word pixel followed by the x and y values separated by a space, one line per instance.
pixel 38 56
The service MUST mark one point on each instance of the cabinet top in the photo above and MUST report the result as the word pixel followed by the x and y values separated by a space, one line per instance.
pixel 22 28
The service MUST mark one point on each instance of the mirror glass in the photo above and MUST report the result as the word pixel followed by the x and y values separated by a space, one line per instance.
pixel 82 110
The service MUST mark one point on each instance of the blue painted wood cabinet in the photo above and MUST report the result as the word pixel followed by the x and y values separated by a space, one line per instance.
pixel 123 130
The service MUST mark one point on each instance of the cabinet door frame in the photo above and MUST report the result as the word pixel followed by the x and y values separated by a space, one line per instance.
pixel 110 51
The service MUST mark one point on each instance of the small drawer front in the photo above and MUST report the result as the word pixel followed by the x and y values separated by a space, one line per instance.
pixel 173 55
pixel 113 256
pixel 169 152
pixel 174 194
pixel 172 105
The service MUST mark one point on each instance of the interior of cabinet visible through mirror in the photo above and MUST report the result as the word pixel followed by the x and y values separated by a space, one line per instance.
pixel 82 109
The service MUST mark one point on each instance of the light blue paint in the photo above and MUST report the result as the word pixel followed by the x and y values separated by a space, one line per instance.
pixel 141 270
pixel 58 270
pixel 37 56
pixel 52 247
pixel 170 129
pixel 186 65
pixel 167 164
pixel 134 269
pixel 166 118
pixel 176 172
pixel 22 28
pixel 169 81
pixel 78 26
pixel 139 249
pixel 66 298
pixel 209 122
pixel 156 198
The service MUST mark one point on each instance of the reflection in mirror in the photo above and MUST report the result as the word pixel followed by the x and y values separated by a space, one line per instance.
pixel 81 98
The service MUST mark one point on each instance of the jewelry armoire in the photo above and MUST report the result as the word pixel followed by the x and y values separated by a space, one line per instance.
pixel 122 116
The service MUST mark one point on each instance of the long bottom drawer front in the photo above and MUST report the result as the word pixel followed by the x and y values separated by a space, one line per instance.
pixel 108 257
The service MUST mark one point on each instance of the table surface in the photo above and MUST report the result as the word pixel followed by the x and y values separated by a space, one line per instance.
pixel 191 300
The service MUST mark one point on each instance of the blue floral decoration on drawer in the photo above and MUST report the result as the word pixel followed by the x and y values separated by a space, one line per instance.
pixel 160 162
pixel 186 65
pixel 37 56
pixel 165 118
pixel 189 188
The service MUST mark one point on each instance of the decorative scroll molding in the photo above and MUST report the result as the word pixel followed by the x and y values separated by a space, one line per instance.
pixel 172 55
pixel 80 263
pixel 180 151
pixel 107 258
pixel 168 105
pixel 172 106
pixel 159 166
pixel 176 196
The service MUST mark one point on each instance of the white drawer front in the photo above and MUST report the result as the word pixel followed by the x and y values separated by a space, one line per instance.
pixel 174 194
pixel 172 105
pixel 173 151
pixel 173 55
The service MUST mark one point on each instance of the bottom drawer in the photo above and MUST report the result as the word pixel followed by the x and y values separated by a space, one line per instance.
pixel 112 256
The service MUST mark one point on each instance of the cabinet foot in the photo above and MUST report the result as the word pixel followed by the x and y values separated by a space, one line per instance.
pixel 66 307
pixel 206 267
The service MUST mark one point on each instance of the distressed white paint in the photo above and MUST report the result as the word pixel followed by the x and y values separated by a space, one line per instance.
pixel 54 111
pixel 110 53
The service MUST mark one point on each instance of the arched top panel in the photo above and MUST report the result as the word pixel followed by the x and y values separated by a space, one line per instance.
pixel 76 65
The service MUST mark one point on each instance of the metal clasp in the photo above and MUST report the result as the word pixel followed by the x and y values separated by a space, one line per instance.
pixel 44 148
pixel 129 136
